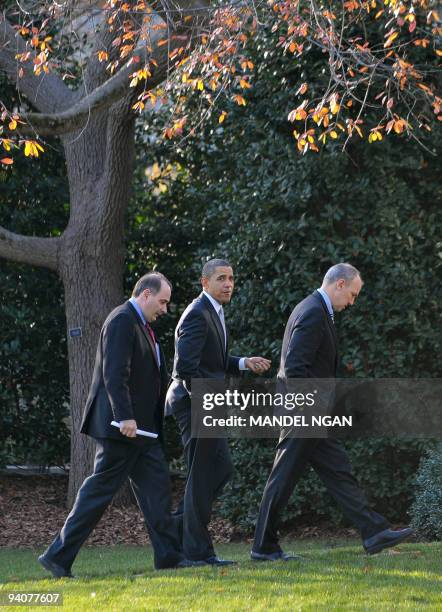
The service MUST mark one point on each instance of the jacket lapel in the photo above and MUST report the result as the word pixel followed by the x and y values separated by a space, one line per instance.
pixel 227 342
pixel 329 321
pixel 217 323
pixel 151 344
pixel 146 335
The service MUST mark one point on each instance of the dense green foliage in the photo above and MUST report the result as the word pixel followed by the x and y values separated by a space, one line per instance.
pixel 426 511
pixel 34 390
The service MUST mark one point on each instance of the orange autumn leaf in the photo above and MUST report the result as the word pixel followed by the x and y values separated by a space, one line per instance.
pixel 239 100
pixel 351 5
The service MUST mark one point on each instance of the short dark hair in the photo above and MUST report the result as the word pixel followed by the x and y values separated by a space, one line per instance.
pixel 152 281
pixel 211 265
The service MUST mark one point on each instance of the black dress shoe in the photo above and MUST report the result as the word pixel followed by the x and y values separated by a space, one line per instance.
pixel 385 539
pixel 56 570
pixel 189 563
pixel 276 556
pixel 217 561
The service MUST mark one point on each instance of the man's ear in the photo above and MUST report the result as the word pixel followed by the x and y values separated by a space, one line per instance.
pixel 341 283
pixel 204 281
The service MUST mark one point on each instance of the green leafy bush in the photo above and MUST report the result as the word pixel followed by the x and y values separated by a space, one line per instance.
pixel 34 386
pixel 426 511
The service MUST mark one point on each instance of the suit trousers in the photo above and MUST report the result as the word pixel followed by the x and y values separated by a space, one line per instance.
pixel 148 473
pixel 209 468
pixel 329 459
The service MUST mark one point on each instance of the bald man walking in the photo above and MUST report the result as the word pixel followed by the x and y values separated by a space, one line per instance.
pixel 310 350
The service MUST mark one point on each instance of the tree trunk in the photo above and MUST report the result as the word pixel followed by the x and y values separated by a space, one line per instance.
pixel 91 257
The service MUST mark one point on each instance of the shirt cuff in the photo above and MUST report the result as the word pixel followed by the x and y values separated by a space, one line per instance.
pixel 242 363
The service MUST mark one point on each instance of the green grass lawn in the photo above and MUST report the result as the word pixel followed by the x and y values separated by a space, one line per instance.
pixel 332 576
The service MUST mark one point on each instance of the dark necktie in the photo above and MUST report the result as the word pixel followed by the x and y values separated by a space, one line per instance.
pixel 151 334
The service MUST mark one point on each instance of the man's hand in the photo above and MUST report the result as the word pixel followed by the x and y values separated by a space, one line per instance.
pixel 257 365
pixel 129 428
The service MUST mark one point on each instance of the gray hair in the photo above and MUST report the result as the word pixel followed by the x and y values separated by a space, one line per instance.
pixel 211 265
pixel 152 281
pixel 341 270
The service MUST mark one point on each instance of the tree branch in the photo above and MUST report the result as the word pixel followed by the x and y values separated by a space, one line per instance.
pixel 104 96
pixel 115 88
pixel 76 116
pixel 31 250
pixel 47 92
pixel 172 12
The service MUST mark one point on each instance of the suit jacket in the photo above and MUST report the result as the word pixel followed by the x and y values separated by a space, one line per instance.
pixel 199 352
pixel 127 382
pixel 310 345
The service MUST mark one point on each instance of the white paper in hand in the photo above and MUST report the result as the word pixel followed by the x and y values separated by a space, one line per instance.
pixel 140 432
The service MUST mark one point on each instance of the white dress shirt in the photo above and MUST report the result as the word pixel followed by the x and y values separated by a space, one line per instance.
pixel 327 303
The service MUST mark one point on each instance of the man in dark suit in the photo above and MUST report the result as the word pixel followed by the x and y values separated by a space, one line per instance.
pixel 202 351
pixel 128 386
pixel 310 350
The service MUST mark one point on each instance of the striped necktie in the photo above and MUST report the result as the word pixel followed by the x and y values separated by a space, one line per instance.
pixel 221 318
